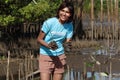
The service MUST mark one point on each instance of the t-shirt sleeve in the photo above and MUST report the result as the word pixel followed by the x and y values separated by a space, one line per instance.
pixel 70 31
pixel 45 27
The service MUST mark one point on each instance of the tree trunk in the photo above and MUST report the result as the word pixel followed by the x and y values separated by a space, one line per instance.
pixel 116 19
pixel 101 19
pixel 108 14
pixel 92 18
pixel 78 30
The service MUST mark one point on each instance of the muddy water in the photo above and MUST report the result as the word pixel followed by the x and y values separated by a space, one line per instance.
pixel 77 75
pixel 77 61
pixel 77 65
pixel 107 69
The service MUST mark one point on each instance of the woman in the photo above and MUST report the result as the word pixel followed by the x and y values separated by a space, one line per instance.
pixel 53 33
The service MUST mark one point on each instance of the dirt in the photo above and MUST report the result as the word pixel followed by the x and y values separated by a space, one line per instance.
pixel 82 62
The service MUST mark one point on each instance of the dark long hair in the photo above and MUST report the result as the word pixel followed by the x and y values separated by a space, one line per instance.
pixel 70 7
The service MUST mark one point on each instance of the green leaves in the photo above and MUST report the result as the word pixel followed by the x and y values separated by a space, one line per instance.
pixel 39 10
pixel 5 20
pixel 17 11
pixel 32 11
pixel 90 64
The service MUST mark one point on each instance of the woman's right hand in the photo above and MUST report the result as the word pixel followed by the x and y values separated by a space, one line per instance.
pixel 53 45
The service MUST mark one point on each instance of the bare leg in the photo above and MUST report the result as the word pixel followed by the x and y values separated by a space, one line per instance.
pixel 57 76
pixel 45 76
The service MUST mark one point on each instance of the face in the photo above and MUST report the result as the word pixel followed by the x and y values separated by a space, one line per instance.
pixel 64 15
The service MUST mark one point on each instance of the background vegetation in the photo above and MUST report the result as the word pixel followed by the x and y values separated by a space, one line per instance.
pixel 26 11
pixel 97 14
pixel 94 20
pixel 20 21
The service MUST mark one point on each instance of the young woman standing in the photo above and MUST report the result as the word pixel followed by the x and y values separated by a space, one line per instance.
pixel 54 32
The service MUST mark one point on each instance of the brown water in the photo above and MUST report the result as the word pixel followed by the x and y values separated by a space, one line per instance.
pixel 77 65
pixel 104 67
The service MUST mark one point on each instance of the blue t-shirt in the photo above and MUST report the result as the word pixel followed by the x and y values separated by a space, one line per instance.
pixel 55 31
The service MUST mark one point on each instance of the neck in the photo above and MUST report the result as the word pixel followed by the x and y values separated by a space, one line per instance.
pixel 62 22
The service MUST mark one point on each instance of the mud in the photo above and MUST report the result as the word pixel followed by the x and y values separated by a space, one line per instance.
pixel 80 62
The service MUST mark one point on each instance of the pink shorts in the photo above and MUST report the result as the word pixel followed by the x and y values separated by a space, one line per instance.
pixel 52 64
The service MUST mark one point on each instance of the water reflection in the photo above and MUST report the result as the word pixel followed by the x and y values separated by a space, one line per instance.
pixel 77 75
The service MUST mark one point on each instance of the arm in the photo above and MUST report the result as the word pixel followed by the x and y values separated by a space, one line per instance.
pixel 40 39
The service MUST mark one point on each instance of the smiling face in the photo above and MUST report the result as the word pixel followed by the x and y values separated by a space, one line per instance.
pixel 65 12
pixel 64 15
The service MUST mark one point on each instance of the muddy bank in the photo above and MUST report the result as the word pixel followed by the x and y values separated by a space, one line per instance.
pixel 79 62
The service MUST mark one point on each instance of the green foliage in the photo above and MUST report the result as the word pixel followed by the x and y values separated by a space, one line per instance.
pixel 9 11
pixel 2 57
pixel 4 20
pixel 90 64
pixel 87 6
pixel 32 11
pixel 97 6
pixel 17 11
